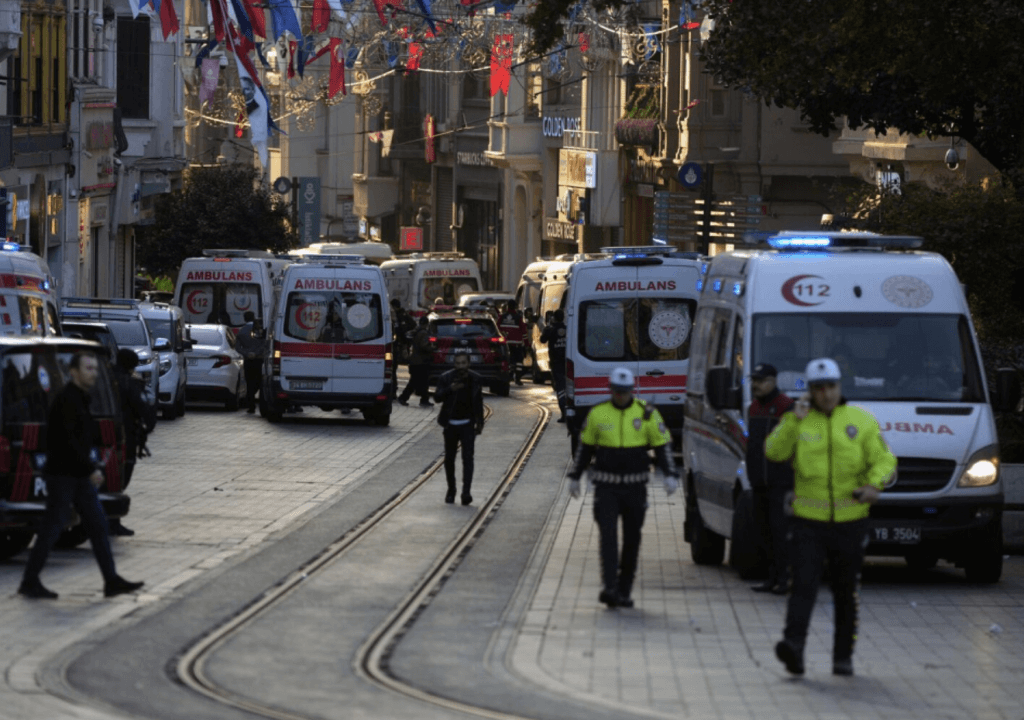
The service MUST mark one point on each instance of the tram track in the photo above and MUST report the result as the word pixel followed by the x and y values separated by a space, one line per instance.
pixel 371 661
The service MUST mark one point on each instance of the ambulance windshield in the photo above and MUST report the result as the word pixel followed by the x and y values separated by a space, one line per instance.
pixel 220 303
pixel 631 329
pixel 449 289
pixel 882 356
pixel 333 317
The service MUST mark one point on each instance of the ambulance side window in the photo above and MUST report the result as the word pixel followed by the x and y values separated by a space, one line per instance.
pixel 699 356
pixel 737 353
pixel 718 347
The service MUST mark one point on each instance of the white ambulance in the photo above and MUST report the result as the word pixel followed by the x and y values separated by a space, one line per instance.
pixel 896 321
pixel 220 287
pixel 330 340
pixel 27 302
pixel 632 309
pixel 418 280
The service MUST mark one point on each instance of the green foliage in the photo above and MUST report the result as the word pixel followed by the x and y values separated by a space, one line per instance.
pixel 217 208
pixel 978 230
pixel 935 67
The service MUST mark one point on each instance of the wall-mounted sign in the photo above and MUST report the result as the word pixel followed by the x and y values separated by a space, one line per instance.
pixel 411 238
pixel 472 158
pixel 556 125
pixel 555 229
pixel 309 209
pixel 577 168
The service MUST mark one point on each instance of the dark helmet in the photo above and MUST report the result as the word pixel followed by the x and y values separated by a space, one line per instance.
pixel 396 303
pixel 127 359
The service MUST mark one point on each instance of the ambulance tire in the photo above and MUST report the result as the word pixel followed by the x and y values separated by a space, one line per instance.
pixel 744 551
pixel 706 547
pixel 13 542
pixel 983 561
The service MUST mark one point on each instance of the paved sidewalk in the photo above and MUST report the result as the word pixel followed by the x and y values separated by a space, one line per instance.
pixel 700 643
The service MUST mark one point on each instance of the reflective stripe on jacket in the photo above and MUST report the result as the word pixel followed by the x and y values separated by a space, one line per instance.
pixel 832 456
pixel 619 441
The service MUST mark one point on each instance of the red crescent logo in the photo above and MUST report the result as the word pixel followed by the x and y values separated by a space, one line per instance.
pixel 239 306
pixel 787 291
pixel 192 296
pixel 302 317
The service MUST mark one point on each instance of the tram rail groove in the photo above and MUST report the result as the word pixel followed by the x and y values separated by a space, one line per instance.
pixel 371 661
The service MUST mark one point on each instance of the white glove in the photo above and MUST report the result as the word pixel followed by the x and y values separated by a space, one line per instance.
pixel 671 484
pixel 574 488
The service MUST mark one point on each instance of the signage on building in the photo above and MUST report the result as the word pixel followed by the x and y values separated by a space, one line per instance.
pixel 99 135
pixel 375 232
pixel 309 209
pixel 349 222
pixel 645 190
pixel 428 134
pixel 411 238
pixel 472 158
pixel 556 125
pixel 643 169
pixel 555 229
pixel 577 168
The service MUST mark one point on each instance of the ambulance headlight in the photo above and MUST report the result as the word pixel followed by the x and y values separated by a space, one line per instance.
pixel 982 469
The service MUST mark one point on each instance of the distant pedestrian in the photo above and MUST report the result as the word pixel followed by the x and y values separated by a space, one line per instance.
pixel 419 366
pixel 138 419
pixel 460 392
pixel 513 327
pixel 72 476
pixel 771 481
pixel 251 344
pixel 618 434
pixel 841 464
pixel 554 337
pixel 403 326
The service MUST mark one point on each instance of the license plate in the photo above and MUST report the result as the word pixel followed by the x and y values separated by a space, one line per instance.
pixel 896 534
pixel 472 358
pixel 193 361
pixel 307 384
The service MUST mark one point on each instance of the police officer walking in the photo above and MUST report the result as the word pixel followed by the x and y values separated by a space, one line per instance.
pixel 460 392
pixel 554 337
pixel 771 481
pixel 841 464
pixel 513 327
pixel 251 345
pixel 618 434
pixel 419 366
pixel 72 477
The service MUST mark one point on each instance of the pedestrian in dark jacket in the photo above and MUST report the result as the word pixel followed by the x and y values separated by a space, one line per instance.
pixel 403 326
pixel 419 366
pixel 251 345
pixel 72 477
pixel 771 481
pixel 138 419
pixel 554 336
pixel 460 392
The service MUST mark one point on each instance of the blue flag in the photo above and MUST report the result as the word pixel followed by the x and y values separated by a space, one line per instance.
pixel 282 15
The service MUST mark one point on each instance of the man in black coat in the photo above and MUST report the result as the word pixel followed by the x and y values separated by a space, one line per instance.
pixel 419 366
pixel 72 476
pixel 460 392
pixel 137 416
pixel 554 336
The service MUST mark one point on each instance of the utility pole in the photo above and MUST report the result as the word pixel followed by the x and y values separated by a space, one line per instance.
pixel 708 196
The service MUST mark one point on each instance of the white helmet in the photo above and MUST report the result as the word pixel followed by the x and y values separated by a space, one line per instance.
pixel 621 379
pixel 822 370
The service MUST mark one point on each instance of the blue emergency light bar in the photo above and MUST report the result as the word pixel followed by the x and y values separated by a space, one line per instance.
pixel 10 247
pixel 631 251
pixel 824 240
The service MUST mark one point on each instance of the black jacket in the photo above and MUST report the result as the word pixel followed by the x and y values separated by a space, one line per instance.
pixel 446 396
pixel 69 434
pixel 764 415
pixel 136 414
pixel 554 336
pixel 422 351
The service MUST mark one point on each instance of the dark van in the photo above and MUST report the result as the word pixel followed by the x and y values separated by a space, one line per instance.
pixel 33 372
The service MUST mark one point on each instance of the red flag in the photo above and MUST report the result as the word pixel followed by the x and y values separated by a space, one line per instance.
pixel 321 15
pixel 415 55
pixel 584 42
pixel 337 69
pixel 501 63
pixel 379 4
pixel 168 18
pixel 220 15
pixel 256 17
pixel 239 130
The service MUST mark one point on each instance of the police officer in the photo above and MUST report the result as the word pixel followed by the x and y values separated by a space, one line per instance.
pixel 618 434
pixel 513 327
pixel 841 464
pixel 460 392
pixel 419 366
pixel 554 337
pixel 137 416
pixel 251 344
pixel 770 481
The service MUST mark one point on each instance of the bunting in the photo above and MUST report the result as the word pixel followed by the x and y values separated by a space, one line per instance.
pixel 321 15
pixel 379 4
pixel 501 63
pixel 283 18
pixel 210 75
pixel 337 80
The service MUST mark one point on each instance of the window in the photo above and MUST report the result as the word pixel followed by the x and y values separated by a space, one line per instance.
pixel 534 105
pixel 37 73
pixel 128 333
pixel 22 315
pixel 716 96
pixel 133 67
pixel 220 303
pixel 476 88
pixel 737 353
pixel 30 381
pixel 632 329
pixel 338 317
pixel 446 288
pixel 467 328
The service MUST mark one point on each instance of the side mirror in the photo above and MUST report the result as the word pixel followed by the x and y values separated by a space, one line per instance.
pixel 719 391
pixel 186 345
pixel 161 344
pixel 1006 394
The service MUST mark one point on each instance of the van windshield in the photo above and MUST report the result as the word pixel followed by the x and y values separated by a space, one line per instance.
pixel 128 333
pixel 160 329
pixel 882 356
pixel 631 329
pixel 333 317
pixel 220 303
pixel 447 288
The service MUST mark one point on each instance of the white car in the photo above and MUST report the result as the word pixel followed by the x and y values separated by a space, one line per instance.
pixel 214 366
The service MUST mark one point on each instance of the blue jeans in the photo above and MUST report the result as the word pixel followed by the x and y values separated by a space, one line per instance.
pixel 62 492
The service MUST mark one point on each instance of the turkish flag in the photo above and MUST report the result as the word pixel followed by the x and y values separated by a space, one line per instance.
pixel 379 4
pixel 256 17
pixel 321 15
pixel 337 69
pixel 168 18
pixel 501 63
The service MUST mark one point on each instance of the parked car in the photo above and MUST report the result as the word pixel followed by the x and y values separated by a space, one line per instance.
pixel 167 322
pixel 95 331
pixel 475 333
pixel 492 300
pixel 214 366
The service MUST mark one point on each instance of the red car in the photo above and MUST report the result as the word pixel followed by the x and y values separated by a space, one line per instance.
pixel 459 331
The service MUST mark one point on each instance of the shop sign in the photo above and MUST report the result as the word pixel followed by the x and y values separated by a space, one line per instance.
pixel 411 238
pixel 577 168
pixel 555 229
pixel 556 125
pixel 643 169
pixel 472 158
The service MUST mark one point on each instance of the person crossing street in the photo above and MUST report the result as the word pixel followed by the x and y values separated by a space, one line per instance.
pixel 618 435
pixel 841 463
pixel 251 344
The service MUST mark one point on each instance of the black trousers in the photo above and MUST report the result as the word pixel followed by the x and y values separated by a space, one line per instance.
pixel 842 546
pixel 558 383
pixel 253 368
pixel 516 355
pixel 612 501
pixel 419 383
pixel 773 531
pixel 61 493
pixel 454 436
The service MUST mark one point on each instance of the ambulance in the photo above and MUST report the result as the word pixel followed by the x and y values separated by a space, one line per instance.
pixel 330 340
pixel 632 309
pixel 528 290
pixel 220 287
pixel 27 302
pixel 418 280
pixel 896 321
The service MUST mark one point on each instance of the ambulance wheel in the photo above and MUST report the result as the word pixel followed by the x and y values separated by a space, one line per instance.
pixel 706 547
pixel 13 542
pixel 744 550
pixel 536 375
pixel 502 389
pixel 72 537
pixel 983 562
